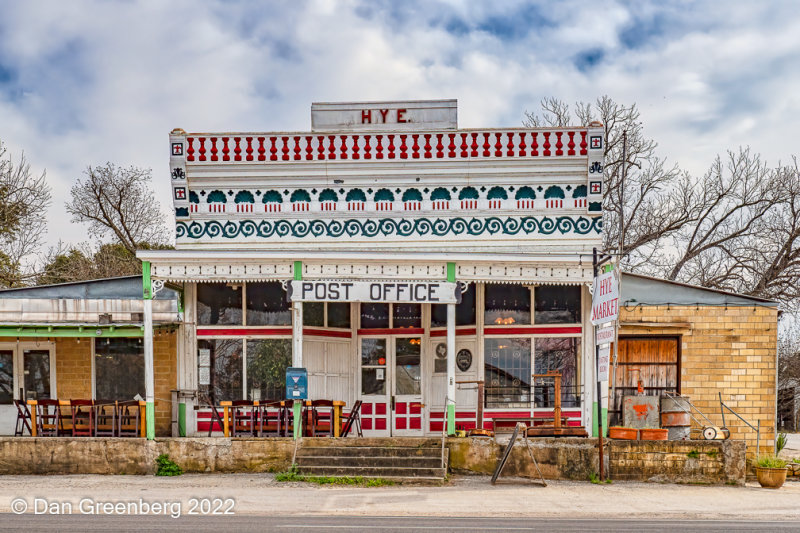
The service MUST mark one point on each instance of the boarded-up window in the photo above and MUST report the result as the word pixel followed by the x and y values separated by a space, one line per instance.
pixel 653 360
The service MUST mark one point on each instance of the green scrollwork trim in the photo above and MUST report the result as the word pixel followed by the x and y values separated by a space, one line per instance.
pixel 384 227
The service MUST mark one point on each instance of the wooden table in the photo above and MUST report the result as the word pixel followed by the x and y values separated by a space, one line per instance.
pixel 337 414
pixel 65 403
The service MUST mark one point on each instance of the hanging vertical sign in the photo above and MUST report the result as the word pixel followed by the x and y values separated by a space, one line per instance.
pixel 605 298
pixel 603 357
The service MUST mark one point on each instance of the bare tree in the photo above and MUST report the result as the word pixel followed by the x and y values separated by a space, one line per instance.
pixel 24 199
pixel 119 201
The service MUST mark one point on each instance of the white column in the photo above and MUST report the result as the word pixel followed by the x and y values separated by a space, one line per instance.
pixel 297 334
pixel 451 368
pixel 149 380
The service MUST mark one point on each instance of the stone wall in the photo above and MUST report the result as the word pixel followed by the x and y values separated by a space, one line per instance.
pixel 678 461
pixel 569 458
pixel 729 350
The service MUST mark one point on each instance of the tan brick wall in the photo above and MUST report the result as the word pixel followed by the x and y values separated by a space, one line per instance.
pixel 732 351
pixel 165 363
pixel 73 358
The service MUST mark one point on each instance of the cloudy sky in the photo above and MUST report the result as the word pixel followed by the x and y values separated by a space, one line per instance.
pixel 85 82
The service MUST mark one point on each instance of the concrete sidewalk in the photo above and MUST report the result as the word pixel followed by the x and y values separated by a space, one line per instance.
pixel 260 494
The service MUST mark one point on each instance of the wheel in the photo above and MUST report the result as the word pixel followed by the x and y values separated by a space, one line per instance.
pixel 709 433
pixel 726 433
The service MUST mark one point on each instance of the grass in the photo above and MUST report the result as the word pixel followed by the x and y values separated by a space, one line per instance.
pixel 595 479
pixel 770 461
pixel 167 467
pixel 712 453
pixel 694 454
pixel 293 475
pixel 780 442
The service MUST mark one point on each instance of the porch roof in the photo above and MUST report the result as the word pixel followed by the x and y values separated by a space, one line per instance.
pixel 237 266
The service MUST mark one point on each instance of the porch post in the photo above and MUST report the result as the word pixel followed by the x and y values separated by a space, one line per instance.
pixel 149 379
pixel 297 347
pixel 451 357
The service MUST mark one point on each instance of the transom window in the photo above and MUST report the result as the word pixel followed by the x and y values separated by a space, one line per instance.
pixel 383 315
pixel 506 304
pixel 326 314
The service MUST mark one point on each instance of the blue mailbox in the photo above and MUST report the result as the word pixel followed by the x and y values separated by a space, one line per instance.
pixel 296 384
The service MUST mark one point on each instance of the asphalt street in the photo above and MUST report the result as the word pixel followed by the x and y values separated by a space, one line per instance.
pixel 404 524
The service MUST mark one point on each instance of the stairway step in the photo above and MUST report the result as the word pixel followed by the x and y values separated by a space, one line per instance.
pixel 373 461
pixel 356 471
pixel 367 451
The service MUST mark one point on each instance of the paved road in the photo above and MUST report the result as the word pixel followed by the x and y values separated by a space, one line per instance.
pixel 405 524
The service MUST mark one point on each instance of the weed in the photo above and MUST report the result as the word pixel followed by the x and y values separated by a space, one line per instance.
pixel 594 478
pixel 290 475
pixel 712 453
pixel 294 475
pixel 780 443
pixel 694 454
pixel 167 467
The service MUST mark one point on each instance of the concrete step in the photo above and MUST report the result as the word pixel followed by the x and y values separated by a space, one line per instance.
pixel 367 451
pixel 383 442
pixel 373 472
pixel 371 461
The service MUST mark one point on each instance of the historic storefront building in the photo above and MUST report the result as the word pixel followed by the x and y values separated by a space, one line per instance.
pixel 393 255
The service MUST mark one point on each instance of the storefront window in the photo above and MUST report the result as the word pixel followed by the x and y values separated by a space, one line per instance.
pixel 267 305
pixel 465 311
pixel 373 366
pixel 374 315
pixel 507 304
pixel 6 376
pixel 508 372
pixel 338 315
pixel 406 316
pixel 560 355
pixel 219 304
pixel 557 304
pixel 225 375
pixel 314 314
pixel 118 368
pixel 267 360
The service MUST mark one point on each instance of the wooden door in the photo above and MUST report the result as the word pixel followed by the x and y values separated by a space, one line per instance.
pixel 653 360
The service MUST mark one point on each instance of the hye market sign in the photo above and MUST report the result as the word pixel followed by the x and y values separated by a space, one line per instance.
pixel 605 298
pixel 374 291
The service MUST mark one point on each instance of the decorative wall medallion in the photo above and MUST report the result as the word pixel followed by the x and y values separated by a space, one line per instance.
pixel 464 360
pixel 441 350
pixel 177 148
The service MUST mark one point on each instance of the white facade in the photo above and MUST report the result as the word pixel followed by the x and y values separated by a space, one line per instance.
pixel 365 197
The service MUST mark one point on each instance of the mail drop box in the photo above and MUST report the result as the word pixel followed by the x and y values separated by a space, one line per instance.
pixel 296 384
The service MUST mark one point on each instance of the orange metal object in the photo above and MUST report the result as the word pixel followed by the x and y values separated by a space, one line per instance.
pixel 675 419
pixel 617 432
pixel 653 434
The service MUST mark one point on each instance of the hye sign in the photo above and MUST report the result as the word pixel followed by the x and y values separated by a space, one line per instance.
pixel 605 298
pixel 375 291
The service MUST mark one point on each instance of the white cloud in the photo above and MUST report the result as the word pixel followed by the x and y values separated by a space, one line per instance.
pixel 86 82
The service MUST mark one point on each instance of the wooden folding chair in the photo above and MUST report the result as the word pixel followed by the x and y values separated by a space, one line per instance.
pixel 243 418
pixel 48 418
pixel 23 419
pixel 105 418
pixel 269 418
pixel 353 420
pixel 128 418
pixel 322 418
pixel 82 415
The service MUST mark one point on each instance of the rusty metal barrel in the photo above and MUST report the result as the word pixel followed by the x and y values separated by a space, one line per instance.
pixel 675 417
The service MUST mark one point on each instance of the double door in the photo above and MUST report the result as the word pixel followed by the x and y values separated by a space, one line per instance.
pixel 391 385
pixel 27 372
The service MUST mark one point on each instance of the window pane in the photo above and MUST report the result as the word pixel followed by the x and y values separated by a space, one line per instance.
pixel 118 368
pixel 226 369
pixel 373 352
pixel 373 381
pixel 557 304
pixel 465 311
pixel 559 355
pixel 267 305
pixel 508 372
pixel 267 361
pixel 507 303
pixel 6 377
pixel 36 368
pixel 338 315
pixel 313 314
pixel 219 304
pixel 374 315
pixel 407 366
pixel 407 315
